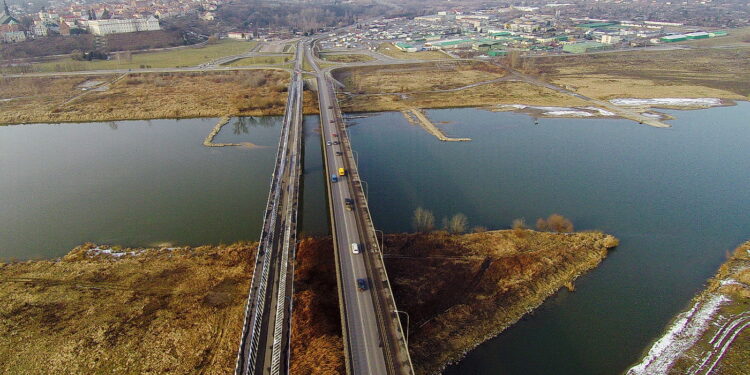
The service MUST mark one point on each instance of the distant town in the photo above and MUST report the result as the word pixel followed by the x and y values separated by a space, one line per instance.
pixel 543 28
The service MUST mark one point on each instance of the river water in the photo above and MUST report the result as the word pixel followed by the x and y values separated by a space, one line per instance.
pixel 677 198
pixel 133 183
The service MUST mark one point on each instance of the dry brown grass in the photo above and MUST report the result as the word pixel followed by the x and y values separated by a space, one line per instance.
pixel 162 311
pixel 505 92
pixel 317 343
pixel 723 73
pixel 503 277
pixel 416 77
pixel 148 96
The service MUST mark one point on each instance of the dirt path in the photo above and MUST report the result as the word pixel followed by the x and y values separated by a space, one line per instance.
pixel 620 111
pixel 417 117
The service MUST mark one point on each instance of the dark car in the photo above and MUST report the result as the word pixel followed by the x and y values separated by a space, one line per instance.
pixel 339 153
pixel 336 142
pixel 362 284
pixel 349 203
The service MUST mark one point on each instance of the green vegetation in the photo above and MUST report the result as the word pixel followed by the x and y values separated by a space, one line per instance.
pixel 389 49
pixel 181 57
pixel 261 60
pixel 346 58
pixel 157 311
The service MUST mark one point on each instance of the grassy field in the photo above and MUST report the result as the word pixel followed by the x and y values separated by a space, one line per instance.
pixel 722 73
pixel 162 311
pixel 261 60
pixel 348 58
pixel 389 49
pixel 416 77
pixel 164 59
pixel 146 96
pixel 509 92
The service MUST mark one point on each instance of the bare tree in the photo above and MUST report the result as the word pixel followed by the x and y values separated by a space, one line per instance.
pixel 458 224
pixel 541 224
pixel 519 224
pixel 424 220
pixel 559 223
pixel 555 222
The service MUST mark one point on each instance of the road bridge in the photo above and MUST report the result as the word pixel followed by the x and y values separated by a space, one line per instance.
pixel 374 338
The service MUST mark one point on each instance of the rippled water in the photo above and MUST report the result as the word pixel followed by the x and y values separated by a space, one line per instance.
pixel 677 198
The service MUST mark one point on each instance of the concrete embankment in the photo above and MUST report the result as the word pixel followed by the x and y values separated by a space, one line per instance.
pixel 417 117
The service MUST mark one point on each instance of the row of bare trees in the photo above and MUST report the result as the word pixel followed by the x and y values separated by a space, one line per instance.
pixel 424 221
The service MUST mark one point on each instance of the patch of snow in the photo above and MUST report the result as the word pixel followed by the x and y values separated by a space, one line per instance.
pixel 601 112
pixel 110 252
pixel 678 102
pixel 569 113
pixel 730 282
pixel 683 333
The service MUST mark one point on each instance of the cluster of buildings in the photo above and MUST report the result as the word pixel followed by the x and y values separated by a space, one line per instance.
pixel 494 32
pixel 73 17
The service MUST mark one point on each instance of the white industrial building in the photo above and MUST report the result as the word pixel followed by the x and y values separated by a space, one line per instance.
pixel 113 26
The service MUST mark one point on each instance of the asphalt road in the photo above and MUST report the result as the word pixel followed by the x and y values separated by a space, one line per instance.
pixel 365 348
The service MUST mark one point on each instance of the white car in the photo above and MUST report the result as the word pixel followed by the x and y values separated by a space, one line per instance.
pixel 355 248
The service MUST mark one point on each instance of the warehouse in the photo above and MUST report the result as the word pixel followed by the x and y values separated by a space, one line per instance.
pixel 585 47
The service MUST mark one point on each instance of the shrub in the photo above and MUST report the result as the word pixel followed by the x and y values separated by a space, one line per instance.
pixel 423 220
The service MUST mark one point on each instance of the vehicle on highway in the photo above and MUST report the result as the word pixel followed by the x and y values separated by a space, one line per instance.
pixel 335 135
pixel 328 143
pixel 355 248
pixel 336 142
pixel 339 153
pixel 349 203
pixel 362 284
pixel 334 178
pixel 342 172
pixel 333 121
pixel 330 107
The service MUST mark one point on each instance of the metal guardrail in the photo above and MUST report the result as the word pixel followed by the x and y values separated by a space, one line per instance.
pixel 255 307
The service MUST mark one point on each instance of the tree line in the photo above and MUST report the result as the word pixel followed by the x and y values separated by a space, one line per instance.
pixel 423 221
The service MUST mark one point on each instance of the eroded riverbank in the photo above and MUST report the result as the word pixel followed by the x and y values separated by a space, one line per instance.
pixel 711 335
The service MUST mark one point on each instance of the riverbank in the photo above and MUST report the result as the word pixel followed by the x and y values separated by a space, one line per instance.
pixel 111 310
pixel 505 274
pixel 711 336
pixel 141 96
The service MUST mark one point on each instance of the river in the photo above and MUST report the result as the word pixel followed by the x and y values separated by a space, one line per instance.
pixel 677 198
pixel 135 183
